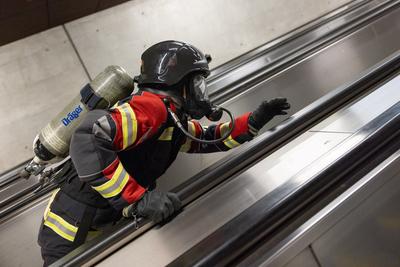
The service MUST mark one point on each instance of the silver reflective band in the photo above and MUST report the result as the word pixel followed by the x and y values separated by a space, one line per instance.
pixel 129 125
pixel 114 186
pixel 60 226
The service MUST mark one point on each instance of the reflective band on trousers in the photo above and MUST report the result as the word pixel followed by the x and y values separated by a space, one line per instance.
pixel 47 210
pixel 229 142
pixel 192 130
pixel 58 224
pixel 167 134
pixel 115 185
pixel 129 125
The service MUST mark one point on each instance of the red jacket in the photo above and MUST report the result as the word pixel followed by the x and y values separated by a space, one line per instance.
pixel 120 152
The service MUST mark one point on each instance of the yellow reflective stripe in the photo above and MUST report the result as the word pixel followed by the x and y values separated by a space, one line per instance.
pixel 111 181
pixel 115 185
pixel 58 224
pixel 61 226
pixel 167 134
pixel 63 222
pixel 230 142
pixel 192 130
pixel 133 129
pixel 59 231
pixel 224 128
pixel 124 128
pixel 119 188
pixel 129 125
pixel 47 210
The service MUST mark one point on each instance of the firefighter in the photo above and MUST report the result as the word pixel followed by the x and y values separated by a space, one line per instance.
pixel 118 154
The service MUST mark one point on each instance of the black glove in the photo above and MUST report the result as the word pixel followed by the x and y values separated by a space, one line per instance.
pixel 266 111
pixel 155 205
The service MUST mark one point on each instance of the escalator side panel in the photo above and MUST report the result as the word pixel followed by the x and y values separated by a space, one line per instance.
pixel 203 217
pixel 342 231
pixel 369 235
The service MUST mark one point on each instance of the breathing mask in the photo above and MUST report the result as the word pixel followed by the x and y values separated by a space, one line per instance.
pixel 197 105
pixel 196 101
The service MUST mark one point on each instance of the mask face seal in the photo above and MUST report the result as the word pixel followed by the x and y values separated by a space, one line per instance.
pixel 199 88
pixel 197 103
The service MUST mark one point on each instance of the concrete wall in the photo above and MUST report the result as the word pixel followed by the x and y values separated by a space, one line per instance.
pixel 41 73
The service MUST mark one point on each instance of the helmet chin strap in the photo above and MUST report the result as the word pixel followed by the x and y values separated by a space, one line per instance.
pixel 178 123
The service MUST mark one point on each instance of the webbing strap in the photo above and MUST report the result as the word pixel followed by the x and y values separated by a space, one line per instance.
pixel 89 97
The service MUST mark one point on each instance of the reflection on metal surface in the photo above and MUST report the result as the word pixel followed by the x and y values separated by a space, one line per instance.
pixel 304 83
pixel 329 216
pixel 367 108
pixel 215 209
pixel 304 258
pixel 370 234
pixel 353 156
pixel 203 217
pixel 13 188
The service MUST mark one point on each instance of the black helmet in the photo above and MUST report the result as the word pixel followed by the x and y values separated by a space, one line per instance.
pixel 168 62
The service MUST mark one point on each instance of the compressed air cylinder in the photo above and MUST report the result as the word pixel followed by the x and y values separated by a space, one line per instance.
pixel 111 85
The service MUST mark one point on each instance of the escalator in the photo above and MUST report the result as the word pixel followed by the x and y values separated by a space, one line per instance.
pixel 354 225
pixel 204 225
pixel 277 207
pixel 303 74
pixel 242 73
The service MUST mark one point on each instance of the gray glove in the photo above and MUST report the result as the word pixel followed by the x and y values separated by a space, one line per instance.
pixel 155 205
pixel 266 111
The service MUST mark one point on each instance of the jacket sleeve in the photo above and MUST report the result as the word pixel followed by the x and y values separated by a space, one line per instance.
pixel 102 134
pixel 239 135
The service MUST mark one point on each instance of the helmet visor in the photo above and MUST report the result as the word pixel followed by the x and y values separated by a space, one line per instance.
pixel 199 88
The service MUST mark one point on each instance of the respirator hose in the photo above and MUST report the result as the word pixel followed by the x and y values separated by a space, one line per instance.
pixel 203 141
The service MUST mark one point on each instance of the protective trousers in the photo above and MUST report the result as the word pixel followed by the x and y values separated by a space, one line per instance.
pixel 74 214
